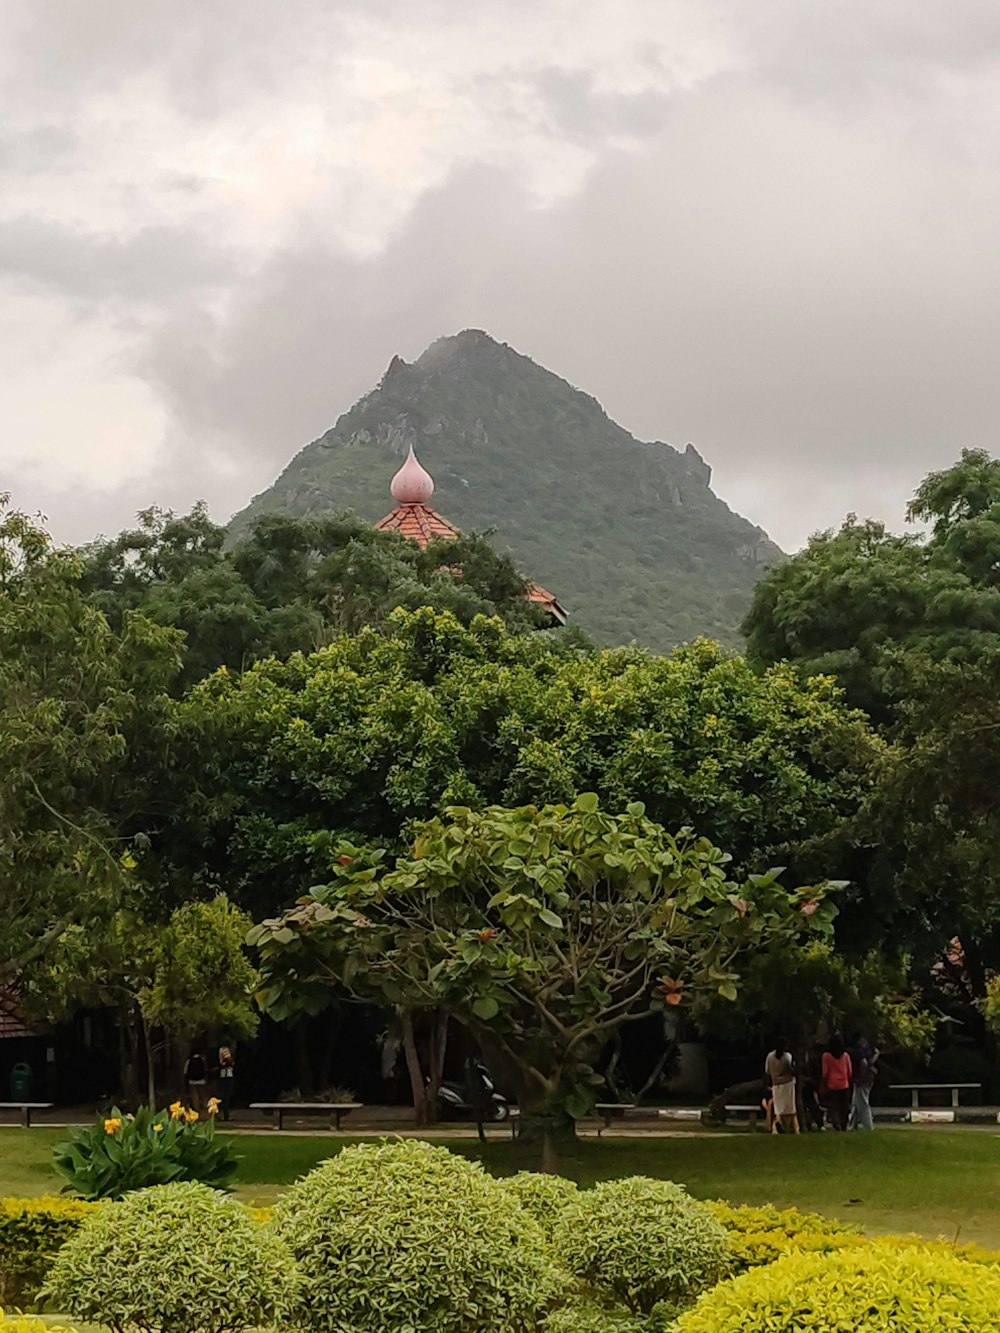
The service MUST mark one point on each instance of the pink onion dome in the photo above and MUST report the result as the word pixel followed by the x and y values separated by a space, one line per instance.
pixel 412 484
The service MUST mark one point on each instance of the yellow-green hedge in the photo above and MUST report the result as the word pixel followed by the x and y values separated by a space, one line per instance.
pixel 17 1323
pixel 893 1288
pixel 31 1231
pixel 760 1235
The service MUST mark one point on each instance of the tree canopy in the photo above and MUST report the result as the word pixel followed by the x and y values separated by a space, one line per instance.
pixel 852 600
pixel 290 584
pixel 82 705
pixel 381 728
pixel 543 930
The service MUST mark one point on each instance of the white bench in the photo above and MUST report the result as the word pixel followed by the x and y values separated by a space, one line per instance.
pixel 609 1111
pixel 332 1109
pixel 26 1109
pixel 915 1089
pixel 753 1113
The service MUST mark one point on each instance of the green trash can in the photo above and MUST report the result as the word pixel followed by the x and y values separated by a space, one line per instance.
pixel 20 1083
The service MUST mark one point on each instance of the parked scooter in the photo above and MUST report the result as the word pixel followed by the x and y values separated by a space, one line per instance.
pixel 454 1099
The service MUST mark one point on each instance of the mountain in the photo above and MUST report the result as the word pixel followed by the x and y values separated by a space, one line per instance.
pixel 627 535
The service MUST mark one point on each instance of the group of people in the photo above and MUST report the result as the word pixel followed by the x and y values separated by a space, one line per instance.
pixel 216 1077
pixel 843 1093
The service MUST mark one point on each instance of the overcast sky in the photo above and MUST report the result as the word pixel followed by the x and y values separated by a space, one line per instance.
pixel 771 227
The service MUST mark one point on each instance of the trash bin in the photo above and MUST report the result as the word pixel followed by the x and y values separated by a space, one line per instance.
pixel 20 1083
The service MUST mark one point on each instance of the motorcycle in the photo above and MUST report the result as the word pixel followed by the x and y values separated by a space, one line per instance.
pixel 453 1100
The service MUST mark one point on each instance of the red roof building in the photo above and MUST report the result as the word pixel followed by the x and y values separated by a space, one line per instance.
pixel 413 518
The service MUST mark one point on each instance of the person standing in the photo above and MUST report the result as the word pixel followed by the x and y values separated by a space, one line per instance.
pixel 227 1080
pixel 837 1080
pixel 196 1079
pixel 779 1072
pixel 864 1061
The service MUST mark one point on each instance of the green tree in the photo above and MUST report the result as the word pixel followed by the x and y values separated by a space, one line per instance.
pixel 851 600
pixel 543 931
pixel 80 702
pixel 167 981
pixel 378 729
pixel 290 584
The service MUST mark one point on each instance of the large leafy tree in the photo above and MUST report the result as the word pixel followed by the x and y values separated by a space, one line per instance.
pixel 852 600
pixel 543 931
pixel 168 981
pixel 379 729
pixel 290 584
pixel 81 704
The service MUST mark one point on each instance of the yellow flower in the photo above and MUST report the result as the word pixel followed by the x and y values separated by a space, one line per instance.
pixel 213 1105
pixel 157 1129
pixel 190 1116
pixel 113 1124
pixel 176 1110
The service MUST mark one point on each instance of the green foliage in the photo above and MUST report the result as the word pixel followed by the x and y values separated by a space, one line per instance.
pixel 627 534
pixel 589 1317
pixel 178 977
pixel 74 695
pixel 406 1235
pixel 378 729
pixel 762 1234
pixel 31 1232
pixel 120 1153
pixel 15 1323
pixel 918 1290
pixel 541 930
pixel 169 1259
pixel 811 990
pixel 543 1197
pixel 290 584
pixel 642 1242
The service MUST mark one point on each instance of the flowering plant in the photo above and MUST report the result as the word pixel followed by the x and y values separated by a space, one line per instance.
pixel 119 1152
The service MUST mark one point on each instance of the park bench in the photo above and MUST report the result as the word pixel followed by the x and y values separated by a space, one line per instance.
pixel 332 1109
pixel 26 1109
pixel 609 1111
pixel 752 1113
pixel 915 1089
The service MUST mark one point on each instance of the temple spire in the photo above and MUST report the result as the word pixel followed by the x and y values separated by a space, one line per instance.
pixel 412 484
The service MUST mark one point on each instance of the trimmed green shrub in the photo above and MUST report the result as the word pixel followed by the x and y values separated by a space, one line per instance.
pixel 119 1152
pixel 586 1317
pixel 31 1231
pixel 884 1287
pixel 171 1259
pixel 543 1196
pixel 642 1241
pixel 760 1235
pixel 409 1236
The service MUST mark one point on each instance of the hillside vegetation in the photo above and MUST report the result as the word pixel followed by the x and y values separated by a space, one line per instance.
pixel 628 535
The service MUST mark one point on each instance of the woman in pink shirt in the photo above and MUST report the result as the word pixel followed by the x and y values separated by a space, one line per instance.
pixel 838 1077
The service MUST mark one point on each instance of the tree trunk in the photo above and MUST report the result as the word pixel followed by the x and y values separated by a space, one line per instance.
pixel 413 1068
pixel 552 1133
pixel 128 1055
pixel 147 1038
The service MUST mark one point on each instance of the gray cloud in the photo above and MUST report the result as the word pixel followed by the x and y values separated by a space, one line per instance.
pixel 158 263
pixel 793 267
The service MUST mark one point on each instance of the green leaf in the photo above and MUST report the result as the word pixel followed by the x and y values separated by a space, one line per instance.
pixel 485 1007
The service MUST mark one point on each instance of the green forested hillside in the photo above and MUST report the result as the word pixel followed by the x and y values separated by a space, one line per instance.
pixel 628 535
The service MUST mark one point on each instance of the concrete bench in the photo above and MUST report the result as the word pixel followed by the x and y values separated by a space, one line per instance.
pixel 753 1113
pixel 609 1111
pixel 26 1109
pixel 332 1109
pixel 915 1089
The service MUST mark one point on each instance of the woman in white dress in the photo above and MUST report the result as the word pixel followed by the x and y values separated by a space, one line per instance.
pixel 779 1071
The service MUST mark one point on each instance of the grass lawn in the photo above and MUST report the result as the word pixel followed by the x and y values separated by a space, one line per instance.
pixel 931 1181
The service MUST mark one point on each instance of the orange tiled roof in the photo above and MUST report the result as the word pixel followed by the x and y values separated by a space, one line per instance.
pixel 421 524
pixel 417 522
